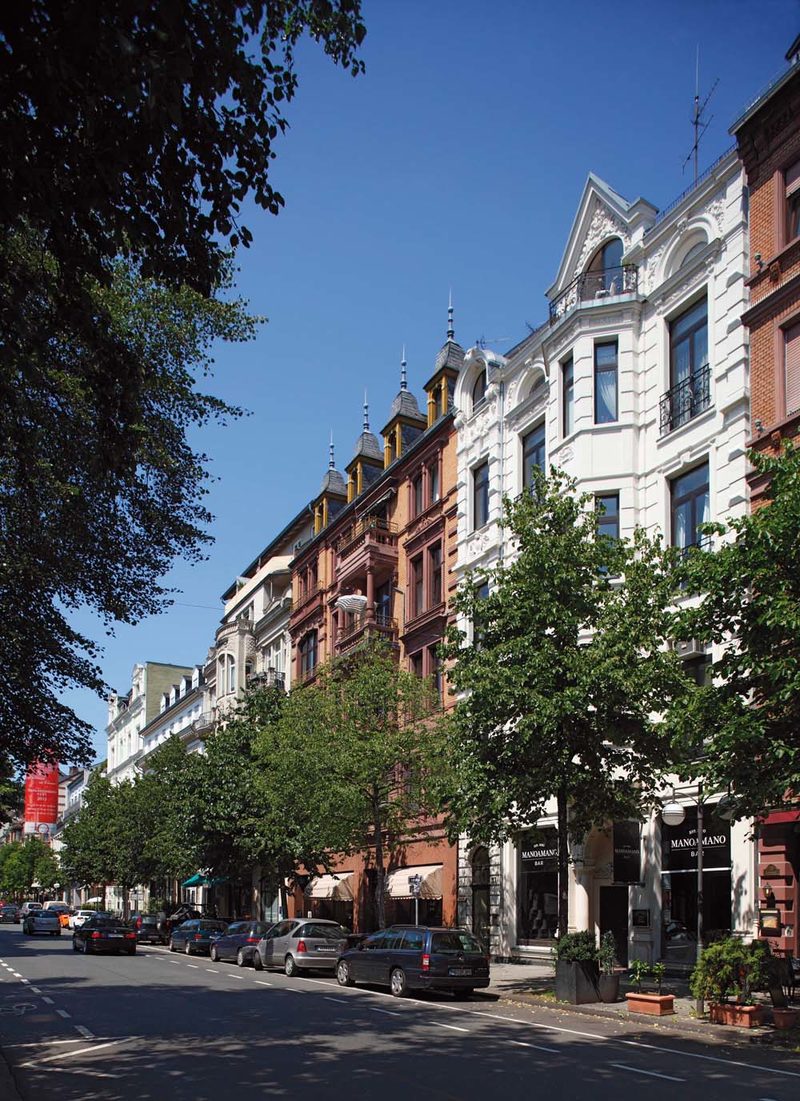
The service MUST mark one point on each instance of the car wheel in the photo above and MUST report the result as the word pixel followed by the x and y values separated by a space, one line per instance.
pixel 398 983
pixel 258 963
pixel 343 973
pixel 214 954
pixel 240 958
pixel 188 948
pixel 172 947
pixel 75 946
pixel 87 948
pixel 290 966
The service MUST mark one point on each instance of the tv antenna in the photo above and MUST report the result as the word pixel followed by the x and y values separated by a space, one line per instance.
pixel 699 123
pixel 482 341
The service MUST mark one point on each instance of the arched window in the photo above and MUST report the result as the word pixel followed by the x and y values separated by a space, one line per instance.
pixel 479 391
pixel 605 273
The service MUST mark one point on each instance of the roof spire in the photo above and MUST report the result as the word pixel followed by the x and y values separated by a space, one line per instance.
pixel 366 413
pixel 403 380
pixel 450 330
pixel 331 462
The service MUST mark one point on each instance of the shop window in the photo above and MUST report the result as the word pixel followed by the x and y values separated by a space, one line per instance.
pixel 537 902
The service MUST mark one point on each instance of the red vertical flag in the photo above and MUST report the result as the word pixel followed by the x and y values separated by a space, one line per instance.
pixel 41 797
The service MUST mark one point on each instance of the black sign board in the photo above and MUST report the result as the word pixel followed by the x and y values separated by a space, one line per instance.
pixel 627 852
pixel 679 843
pixel 538 850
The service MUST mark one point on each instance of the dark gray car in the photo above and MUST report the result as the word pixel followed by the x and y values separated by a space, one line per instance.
pixel 239 941
pixel 415 957
pixel 301 944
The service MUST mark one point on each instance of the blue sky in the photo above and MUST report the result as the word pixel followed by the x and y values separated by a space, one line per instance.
pixel 457 161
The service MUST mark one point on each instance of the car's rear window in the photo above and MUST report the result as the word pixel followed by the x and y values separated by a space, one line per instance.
pixel 321 932
pixel 149 919
pixel 454 941
pixel 211 926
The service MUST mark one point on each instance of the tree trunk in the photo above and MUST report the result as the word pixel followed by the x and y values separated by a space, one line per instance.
pixel 380 875
pixel 125 901
pixel 563 863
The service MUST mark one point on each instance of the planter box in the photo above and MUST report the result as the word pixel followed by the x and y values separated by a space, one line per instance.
pixel 656 1005
pixel 608 988
pixel 783 1017
pixel 577 982
pixel 743 1016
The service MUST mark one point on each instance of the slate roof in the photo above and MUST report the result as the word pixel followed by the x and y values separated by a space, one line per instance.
pixel 406 404
pixel 333 482
pixel 367 445
pixel 451 354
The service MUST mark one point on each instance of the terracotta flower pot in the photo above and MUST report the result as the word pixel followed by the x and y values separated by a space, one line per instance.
pixel 728 1013
pixel 655 1005
pixel 784 1018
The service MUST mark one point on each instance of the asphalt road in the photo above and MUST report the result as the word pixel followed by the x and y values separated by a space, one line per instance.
pixel 162 1026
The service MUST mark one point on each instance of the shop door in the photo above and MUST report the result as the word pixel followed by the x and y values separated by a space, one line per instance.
pixel 614 916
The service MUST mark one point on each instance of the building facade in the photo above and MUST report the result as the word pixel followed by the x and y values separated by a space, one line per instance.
pixel 637 386
pixel 768 140
pixel 379 564
pixel 129 714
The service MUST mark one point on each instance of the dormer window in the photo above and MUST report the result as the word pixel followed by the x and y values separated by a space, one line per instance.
pixel 479 391
pixel 605 276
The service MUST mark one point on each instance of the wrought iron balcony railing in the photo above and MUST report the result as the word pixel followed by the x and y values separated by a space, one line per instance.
pixel 689 398
pixel 267 678
pixel 595 286
pixel 381 622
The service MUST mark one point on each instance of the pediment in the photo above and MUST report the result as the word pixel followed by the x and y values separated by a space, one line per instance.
pixel 601 214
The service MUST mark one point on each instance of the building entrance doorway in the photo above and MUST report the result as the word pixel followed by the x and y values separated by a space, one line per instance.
pixel 614 917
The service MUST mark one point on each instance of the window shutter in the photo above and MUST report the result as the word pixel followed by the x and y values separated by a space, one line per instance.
pixel 792 177
pixel 792 360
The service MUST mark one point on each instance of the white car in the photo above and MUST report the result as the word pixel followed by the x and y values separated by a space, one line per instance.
pixel 30 908
pixel 78 918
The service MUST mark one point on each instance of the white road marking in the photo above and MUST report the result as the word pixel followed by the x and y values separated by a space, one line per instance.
pixel 454 1028
pixel 341 1001
pixel 649 1073
pixel 389 1012
pixel 42 1043
pixel 36 990
pixel 538 1047
pixel 213 970
pixel 48 1000
pixel 63 1013
pixel 28 981
pixel 194 966
pixel 84 1031
pixel 260 982
pixel 80 1051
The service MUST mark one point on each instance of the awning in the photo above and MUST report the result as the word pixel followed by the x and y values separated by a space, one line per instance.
pixel 430 886
pixel 200 880
pixel 337 887
pixel 777 817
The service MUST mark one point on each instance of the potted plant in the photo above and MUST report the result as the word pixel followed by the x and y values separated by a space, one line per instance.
pixel 639 1001
pixel 577 971
pixel 608 983
pixel 778 979
pixel 731 969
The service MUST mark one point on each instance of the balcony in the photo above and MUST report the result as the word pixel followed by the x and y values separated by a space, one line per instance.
pixel 370 540
pixel 267 678
pixel 685 401
pixel 204 724
pixel 380 623
pixel 595 287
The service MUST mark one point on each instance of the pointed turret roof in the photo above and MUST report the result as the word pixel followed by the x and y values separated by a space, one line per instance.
pixel 333 482
pixel 367 443
pixel 405 404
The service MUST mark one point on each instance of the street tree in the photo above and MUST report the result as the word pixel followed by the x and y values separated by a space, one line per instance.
pixel 23 864
pixel 562 673
pixel 167 791
pixel 749 708
pixel 354 751
pixel 125 169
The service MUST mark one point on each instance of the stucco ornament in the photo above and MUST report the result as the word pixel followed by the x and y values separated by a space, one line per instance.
pixel 602 226
pixel 653 268
pixel 717 211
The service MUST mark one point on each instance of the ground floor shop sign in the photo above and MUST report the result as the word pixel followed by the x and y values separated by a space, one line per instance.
pixel 627 852
pixel 537 903
pixel 679 895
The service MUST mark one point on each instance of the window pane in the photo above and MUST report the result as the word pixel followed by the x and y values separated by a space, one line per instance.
pixel 481 495
pixel 418 595
pixel 433 475
pixel 435 567
pixel 479 390
pixel 568 397
pixel 533 454
pixel 417 489
pixel 608 519
pixel 605 382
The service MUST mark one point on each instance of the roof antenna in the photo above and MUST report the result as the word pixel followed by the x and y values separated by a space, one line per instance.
pixel 366 413
pixel 403 379
pixel 331 463
pixel 698 122
pixel 450 330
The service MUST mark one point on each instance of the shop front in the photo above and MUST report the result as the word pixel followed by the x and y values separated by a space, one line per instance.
pixel 414 895
pixel 537 887
pixel 680 901
pixel 331 897
pixel 778 872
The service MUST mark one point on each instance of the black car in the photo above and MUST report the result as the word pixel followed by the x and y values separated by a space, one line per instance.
pixel 415 957
pixel 176 917
pixel 196 936
pixel 104 934
pixel 9 913
pixel 145 926
pixel 239 941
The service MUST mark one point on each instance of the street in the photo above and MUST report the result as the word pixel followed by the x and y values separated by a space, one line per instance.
pixel 159 1025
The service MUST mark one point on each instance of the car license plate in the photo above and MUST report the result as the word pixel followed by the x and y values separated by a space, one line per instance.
pixel 117 936
pixel 328 950
pixel 460 970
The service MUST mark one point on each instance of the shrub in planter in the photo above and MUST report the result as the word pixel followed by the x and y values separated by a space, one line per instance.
pixel 577 969
pixel 728 974
pixel 654 1005
pixel 608 983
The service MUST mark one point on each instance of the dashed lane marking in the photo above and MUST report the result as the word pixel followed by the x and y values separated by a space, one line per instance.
pixel 649 1073
pixel 78 1051
pixel 36 990
pixel 388 1012
pixel 85 1032
pixel 63 1013
pixel 48 1000
pixel 453 1028
pixel 341 1001
pixel 213 970
pixel 194 966
pixel 260 982
pixel 537 1047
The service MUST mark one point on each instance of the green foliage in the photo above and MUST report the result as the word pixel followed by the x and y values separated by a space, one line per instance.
pixel 750 711
pixel 607 952
pixel 638 971
pixel 566 671
pixel 125 169
pixel 347 763
pixel 730 968
pixel 658 971
pixel 576 948
pixel 24 863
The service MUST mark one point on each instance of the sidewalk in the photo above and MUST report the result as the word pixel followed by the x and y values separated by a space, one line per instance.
pixel 533 984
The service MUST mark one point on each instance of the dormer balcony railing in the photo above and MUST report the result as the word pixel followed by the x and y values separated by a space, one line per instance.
pixel 595 287
pixel 686 400
pixel 373 528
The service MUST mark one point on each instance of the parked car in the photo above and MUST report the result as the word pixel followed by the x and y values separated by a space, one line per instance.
pixel 29 907
pixel 415 957
pixel 146 928
pixel 103 933
pixel 10 913
pixel 239 941
pixel 196 935
pixel 81 916
pixel 176 917
pixel 56 905
pixel 301 944
pixel 41 921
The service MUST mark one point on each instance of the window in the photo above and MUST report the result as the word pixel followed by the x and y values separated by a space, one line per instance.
pixel 533 454
pixel 605 382
pixel 435 574
pixel 435 666
pixel 606 267
pixel 607 505
pixel 480 496
pixel 690 507
pixel 791 359
pixel 308 654
pixel 417 586
pixel 792 178
pixel 417 664
pixel 227 674
pixel 568 396
pixel 416 489
pixel 433 481
pixel 690 391
pixel 479 391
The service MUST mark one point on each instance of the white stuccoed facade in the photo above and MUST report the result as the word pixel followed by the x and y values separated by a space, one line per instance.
pixel 666 267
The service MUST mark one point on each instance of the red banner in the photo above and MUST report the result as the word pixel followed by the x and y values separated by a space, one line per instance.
pixel 41 796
